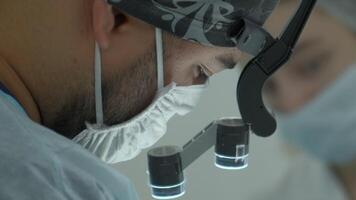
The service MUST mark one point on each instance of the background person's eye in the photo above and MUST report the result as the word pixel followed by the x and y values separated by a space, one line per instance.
pixel 314 65
pixel 310 68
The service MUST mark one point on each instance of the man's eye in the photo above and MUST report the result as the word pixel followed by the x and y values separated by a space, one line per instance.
pixel 205 71
pixel 200 74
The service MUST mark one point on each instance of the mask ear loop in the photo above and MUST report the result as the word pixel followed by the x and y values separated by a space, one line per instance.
pixel 98 74
pixel 98 87
pixel 159 57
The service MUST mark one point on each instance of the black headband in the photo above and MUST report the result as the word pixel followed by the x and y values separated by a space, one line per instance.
pixel 208 22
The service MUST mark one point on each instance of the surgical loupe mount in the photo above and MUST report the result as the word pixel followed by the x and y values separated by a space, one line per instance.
pixel 231 136
pixel 167 163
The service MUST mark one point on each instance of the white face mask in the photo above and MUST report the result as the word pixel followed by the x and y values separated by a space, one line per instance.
pixel 125 141
pixel 326 127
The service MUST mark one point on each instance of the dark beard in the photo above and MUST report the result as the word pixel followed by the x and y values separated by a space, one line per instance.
pixel 124 96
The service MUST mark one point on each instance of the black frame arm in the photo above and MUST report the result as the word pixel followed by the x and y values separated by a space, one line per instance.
pixel 274 55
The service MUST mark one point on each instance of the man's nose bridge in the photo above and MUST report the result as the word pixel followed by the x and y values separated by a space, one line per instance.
pixel 285 95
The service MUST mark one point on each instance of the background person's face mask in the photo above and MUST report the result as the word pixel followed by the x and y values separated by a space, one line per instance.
pixel 125 141
pixel 326 127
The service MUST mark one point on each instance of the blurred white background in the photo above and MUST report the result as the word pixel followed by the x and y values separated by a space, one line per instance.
pixel 268 161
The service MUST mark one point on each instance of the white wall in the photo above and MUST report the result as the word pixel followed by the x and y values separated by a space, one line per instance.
pixel 266 165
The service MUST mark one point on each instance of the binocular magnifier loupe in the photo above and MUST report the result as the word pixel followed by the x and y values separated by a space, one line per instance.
pixel 166 164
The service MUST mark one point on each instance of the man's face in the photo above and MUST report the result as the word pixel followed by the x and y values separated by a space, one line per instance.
pixel 325 50
pixel 129 75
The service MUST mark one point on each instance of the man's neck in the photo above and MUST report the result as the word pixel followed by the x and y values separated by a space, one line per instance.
pixel 14 84
pixel 347 176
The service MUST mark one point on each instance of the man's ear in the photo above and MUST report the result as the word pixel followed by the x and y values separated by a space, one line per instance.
pixel 105 20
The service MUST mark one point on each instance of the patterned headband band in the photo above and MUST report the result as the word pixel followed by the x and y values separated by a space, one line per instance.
pixel 208 22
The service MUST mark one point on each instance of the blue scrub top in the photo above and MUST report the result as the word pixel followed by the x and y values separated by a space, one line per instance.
pixel 39 164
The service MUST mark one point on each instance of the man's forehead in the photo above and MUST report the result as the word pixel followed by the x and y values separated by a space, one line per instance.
pixel 208 22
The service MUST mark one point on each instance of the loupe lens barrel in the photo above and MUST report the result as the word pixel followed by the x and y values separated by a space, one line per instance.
pixel 232 144
pixel 166 172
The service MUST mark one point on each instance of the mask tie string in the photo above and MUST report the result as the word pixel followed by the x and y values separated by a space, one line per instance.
pixel 98 87
pixel 159 57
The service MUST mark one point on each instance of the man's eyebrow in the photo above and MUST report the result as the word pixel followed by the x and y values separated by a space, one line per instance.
pixel 227 60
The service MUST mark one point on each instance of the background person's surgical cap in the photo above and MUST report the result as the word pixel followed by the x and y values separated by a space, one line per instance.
pixel 345 10
pixel 204 21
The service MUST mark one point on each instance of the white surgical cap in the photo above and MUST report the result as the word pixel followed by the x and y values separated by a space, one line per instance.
pixel 345 10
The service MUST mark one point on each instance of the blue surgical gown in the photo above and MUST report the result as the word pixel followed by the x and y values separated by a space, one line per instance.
pixel 39 164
